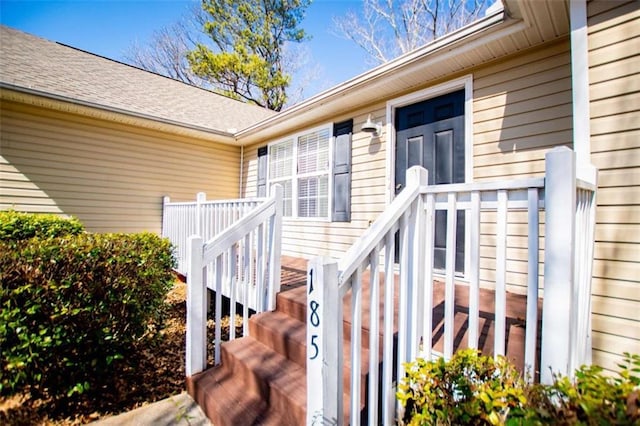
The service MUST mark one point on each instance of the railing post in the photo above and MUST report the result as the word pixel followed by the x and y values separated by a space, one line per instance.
pixel 275 245
pixel 324 343
pixel 558 303
pixel 196 355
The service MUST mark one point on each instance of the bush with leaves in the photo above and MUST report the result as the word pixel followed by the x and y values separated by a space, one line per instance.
pixel 468 389
pixel 71 305
pixel 471 389
pixel 593 397
pixel 17 226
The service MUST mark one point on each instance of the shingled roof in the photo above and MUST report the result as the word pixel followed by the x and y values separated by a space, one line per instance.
pixel 39 66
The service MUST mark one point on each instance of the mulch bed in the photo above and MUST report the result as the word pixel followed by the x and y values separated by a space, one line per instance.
pixel 153 372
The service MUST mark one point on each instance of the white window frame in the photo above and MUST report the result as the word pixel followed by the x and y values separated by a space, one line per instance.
pixel 465 82
pixel 295 176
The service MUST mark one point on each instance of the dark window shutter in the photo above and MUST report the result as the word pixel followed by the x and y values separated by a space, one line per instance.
pixel 262 171
pixel 342 172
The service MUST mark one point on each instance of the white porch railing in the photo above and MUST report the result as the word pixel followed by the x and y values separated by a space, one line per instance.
pixel 200 217
pixel 569 206
pixel 242 263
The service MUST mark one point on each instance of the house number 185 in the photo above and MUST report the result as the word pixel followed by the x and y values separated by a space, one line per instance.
pixel 314 318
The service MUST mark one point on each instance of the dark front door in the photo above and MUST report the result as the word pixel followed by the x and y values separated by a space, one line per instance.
pixel 431 134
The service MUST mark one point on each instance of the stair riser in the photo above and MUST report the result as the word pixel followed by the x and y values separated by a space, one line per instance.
pixel 276 340
pixel 294 307
pixel 296 351
pixel 278 399
pixel 214 392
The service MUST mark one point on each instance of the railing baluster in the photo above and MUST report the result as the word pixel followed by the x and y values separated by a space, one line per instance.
pixel 474 271
pixel 417 268
pixel 427 318
pixel 252 270
pixel 450 267
pixel 260 270
pixel 247 284
pixel 501 275
pixel 388 395
pixel 374 335
pixel 232 290
pixel 218 303
pixel 531 332
pixel 403 314
pixel 356 344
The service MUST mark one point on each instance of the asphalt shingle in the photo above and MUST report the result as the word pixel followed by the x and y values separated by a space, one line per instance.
pixel 33 63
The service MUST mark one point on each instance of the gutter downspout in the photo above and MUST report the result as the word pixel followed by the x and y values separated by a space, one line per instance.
pixel 241 171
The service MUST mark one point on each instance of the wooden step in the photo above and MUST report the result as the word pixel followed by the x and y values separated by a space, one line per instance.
pixel 217 392
pixel 287 337
pixel 260 370
pixel 293 303
pixel 282 333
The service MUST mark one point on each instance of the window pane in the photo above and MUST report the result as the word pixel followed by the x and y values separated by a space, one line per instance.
pixel 313 196
pixel 280 159
pixel 313 152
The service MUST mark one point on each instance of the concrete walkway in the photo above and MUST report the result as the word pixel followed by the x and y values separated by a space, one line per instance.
pixel 180 409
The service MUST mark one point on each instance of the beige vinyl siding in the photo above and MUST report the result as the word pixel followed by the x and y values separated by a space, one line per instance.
pixel 614 77
pixel 308 238
pixel 111 176
pixel 522 108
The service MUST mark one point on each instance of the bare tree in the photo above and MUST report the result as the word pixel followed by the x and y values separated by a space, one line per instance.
pixel 166 52
pixel 386 29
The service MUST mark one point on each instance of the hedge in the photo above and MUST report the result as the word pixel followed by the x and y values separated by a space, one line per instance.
pixel 70 305
pixel 17 226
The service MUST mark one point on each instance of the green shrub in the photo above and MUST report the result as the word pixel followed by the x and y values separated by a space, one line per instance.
pixel 16 226
pixel 71 305
pixel 593 397
pixel 468 389
pixel 475 390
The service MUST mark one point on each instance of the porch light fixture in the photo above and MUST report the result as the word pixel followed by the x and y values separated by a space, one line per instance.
pixel 370 127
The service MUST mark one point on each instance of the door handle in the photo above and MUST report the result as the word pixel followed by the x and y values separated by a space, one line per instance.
pixel 398 186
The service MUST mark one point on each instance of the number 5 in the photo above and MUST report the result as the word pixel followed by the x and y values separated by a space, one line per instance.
pixel 315 347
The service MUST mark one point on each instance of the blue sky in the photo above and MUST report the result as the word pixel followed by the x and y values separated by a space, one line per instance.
pixel 109 27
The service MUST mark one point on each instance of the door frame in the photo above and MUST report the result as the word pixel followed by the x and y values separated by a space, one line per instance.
pixel 465 82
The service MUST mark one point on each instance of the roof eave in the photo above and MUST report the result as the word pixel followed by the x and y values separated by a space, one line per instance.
pixel 387 70
pixel 89 109
pixel 516 17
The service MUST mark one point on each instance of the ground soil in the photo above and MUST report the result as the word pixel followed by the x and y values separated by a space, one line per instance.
pixel 154 371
